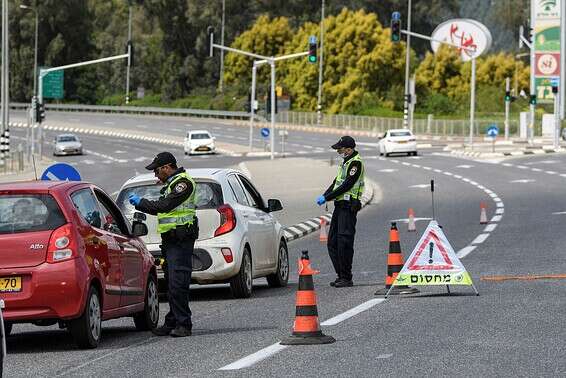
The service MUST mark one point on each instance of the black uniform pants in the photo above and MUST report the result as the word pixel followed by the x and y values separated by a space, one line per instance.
pixel 177 269
pixel 341 239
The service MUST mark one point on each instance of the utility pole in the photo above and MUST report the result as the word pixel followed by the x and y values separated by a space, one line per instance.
pixel 556 92
pixel 129 51
pixel 320 67
pixel 472 102
pixel 533 98
pixel 221 83
pixel 407 69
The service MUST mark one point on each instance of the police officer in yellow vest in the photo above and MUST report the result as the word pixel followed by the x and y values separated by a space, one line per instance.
pixel 178 225
pixel 346 191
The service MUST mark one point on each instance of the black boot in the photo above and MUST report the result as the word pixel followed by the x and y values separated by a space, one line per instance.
pixel 181 331
pixel 164 330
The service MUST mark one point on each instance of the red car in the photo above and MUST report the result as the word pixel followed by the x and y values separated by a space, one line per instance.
pixel 69 256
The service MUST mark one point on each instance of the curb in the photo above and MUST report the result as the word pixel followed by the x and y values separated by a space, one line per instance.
pixel 307 227
pixel 123 135
pixel 477 154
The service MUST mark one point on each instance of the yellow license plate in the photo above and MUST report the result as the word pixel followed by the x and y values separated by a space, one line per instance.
pixel 402 141
pixel 10 284
pixel 202 149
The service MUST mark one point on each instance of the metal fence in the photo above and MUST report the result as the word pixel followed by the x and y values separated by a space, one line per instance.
pixel 430 126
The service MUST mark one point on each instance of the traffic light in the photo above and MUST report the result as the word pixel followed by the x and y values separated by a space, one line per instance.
pixel 40 112
pixel 248 104
pixel 313 58
pixel 130 50
pixel 268 103
pixel 508 96
pixel 396 27
pixel 533 100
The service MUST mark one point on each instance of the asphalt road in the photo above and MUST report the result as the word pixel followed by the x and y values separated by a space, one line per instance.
pixel 514 328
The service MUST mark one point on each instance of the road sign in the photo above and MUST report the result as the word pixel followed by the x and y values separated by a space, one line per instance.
pixel 61 172
pixel 53 85
pixel 492 131
pixel 433 262
pixel 265 132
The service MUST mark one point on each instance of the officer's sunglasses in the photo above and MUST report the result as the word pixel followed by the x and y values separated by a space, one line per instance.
pixel 156 170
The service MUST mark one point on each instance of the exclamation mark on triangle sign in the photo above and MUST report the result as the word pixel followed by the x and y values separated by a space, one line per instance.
pixel 431 249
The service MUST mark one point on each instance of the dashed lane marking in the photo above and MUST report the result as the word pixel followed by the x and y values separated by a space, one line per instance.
pixel 352 312
pixel 522 181
pixel 388 170
pixel 465 166
pixel 465 251
pixel 420 186
pixel 480 238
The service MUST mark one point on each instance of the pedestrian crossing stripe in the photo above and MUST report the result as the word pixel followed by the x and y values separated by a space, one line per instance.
pixel 433 262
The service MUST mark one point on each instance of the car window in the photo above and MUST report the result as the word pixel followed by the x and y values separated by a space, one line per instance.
pixel 112 219
pixel 400 133
pixel 208 196
pixel 29 213
pixel 253 194
pixel 200 136
pixel 87 206
pixel 238 190
pixel 67 138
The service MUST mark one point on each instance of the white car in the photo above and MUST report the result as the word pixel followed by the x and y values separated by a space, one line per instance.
pixel 398 141
pixel 67 144
pixel 199 142
pixel 239 239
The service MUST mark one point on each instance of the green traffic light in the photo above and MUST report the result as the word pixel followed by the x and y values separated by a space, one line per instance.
pixel 312 59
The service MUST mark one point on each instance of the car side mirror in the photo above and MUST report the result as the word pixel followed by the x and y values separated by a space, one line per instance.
pixel 139 217
pixel 274 205
pixel 139 229
pixel 213 138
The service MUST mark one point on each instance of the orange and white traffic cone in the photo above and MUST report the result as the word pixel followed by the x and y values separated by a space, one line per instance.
pixel 411 225
pixel 306 328
pixel 394 266
pixel 483 214
pixel 323 236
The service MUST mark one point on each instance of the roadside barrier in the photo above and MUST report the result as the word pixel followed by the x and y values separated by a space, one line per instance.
pixel 394 265
pixel 306 328
pixel 411 225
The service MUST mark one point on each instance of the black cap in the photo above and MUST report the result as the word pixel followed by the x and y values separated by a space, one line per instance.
pixel 161 159
pixel 345 142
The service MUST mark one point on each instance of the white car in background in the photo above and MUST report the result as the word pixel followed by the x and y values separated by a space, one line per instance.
pixel 199 142
pixel 67 144
pixel 239 239
pixel 398 141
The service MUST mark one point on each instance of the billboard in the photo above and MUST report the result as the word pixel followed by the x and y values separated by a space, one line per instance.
pixel 547 47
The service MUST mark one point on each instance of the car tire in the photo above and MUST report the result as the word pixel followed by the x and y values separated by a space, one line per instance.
pixel 281 276
pixel 415 153
pixel 148 319
pixel 241 284
pixel 86 330
pixel 387 154
pixel 7 329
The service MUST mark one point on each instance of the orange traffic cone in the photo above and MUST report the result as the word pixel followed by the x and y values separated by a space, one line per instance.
pixel 394 265
pixel 323 236
pixel 306 329
pixel 411 226
pixel 483 215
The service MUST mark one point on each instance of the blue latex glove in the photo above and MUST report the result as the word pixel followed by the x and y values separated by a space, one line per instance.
pixel 320 200
pixel 134 199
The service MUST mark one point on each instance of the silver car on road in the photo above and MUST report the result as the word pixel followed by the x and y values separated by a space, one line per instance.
pixel 239 239
pixel 67 144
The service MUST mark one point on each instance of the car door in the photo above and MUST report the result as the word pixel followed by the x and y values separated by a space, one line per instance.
pixel 131 259
pixel 251 223
pixel 266 222
pixel 100 246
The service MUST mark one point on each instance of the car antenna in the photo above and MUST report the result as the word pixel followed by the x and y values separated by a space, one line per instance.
pixel 34 168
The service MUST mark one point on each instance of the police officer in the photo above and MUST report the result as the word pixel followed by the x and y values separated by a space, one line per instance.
pixel 346 191
pixel 178 225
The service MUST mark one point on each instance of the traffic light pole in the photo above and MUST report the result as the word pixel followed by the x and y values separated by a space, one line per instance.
pixel 532 100
pixel 408 99
pixel 507 103
pixel 44 71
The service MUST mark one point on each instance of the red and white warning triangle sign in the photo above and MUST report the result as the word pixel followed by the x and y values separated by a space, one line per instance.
pixel 433 262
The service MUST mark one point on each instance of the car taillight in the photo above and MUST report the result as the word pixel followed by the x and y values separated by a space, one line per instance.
pixel 62 244
pixel 227 220
pixel 227 253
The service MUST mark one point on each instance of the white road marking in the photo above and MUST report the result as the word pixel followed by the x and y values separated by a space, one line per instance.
pixel 140 159
pixel 352 312
pixel 496 218
pixel 500 211
pixel 141 126
pixel 465 251
pixel 480 238
pixel 253 359
pixel 108 123
pixel 74 120
pixel 420 186
pixel 406 220
pixel 522 181
pixel 559 213
pixel 387 170
pixel 522 167
pixel 178 130
pixel 543 162
pixel 490 227
pixel 507 165
pixel 465 166
pixel 415 157
pixel 563 175
pixel 120 152
pixel 273 349
pixel 536 169
pixel 550 172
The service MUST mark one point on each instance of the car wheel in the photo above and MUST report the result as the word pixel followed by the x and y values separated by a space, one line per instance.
pixel 281 276
pixel 7 328
pixel 241 283
pixel 387 154
pixel 149 317
pixel 86 330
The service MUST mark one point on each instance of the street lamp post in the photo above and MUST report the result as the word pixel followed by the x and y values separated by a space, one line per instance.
pixel 221 83
pixel 129 47
pixel 320 66
pixel 22 6
pixel 408 100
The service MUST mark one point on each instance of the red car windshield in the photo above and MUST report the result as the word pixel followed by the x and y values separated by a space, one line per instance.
pixel 29 213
